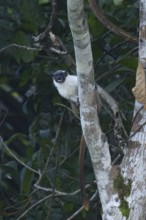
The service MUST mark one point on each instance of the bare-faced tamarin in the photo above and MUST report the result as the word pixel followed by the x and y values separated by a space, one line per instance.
pixel 67 86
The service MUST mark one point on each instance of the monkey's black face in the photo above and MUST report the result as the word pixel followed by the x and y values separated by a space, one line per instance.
pixel 59 76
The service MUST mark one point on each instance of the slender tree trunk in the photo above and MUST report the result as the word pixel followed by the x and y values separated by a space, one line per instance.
pixel 95 139
pixel 134 164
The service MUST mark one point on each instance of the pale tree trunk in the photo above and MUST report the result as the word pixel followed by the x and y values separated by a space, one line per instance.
pixel 95 139
pixel 123 195
pixel 134 163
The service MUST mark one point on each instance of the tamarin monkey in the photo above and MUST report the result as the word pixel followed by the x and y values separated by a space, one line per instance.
pixel 67 86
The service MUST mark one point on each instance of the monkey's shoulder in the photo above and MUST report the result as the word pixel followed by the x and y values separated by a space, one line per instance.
pixel 69 88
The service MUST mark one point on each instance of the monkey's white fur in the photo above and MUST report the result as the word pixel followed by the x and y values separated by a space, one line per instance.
pixel 69 88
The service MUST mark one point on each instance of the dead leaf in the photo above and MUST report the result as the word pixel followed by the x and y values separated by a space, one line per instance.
pixel 139 91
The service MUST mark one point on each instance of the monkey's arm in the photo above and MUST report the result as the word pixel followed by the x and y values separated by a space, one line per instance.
pixel 75 109
pixel 74 99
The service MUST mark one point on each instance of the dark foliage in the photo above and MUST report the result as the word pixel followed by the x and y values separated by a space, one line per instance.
pixel 36 127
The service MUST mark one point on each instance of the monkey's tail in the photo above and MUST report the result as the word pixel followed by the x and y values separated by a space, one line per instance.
pixel 85 200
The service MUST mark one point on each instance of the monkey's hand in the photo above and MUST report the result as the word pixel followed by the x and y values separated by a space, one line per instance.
pixel 74 99
pixel 75 105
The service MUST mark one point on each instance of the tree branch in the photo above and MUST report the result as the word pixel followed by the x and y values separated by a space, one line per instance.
pixel 58 194
pixel 109 25
pixel 19 46
pixel 45 33
pixel 82 207
pixel 16 158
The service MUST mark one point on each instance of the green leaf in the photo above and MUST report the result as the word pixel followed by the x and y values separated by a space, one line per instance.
pixel 22 54
pixel 41 2
pixel 130 62
pixel 10 170
pixel 112 86
pixel 31 14
pixel 26 180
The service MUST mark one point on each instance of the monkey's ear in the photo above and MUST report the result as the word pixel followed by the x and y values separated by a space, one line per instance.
pixel 65 73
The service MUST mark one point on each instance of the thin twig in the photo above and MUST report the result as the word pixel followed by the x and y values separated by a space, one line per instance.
pixel 19 46
pixel 46 165
pixel 58 194
pixel 45 33
pixel 3 119
pixel 81 208
pixel 59 48
pixel 57 51
pixel 16 158
pixel 69 109
pixel 140 127
pixel 31 207
pixel 48 159
pixel 57 163
pixel 135 117
pixel 108 24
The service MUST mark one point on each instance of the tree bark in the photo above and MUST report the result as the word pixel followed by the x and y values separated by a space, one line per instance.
pixel 122 189
pixel 95 139
pixel 134 164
